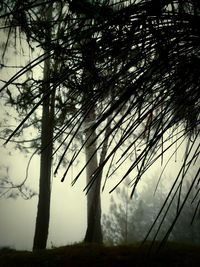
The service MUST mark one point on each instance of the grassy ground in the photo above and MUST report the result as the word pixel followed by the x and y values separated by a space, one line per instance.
pixel 102 256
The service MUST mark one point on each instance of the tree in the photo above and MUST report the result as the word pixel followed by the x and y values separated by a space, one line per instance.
pixel 155 50
pixel 46 147
pixel 119 225
pixel 129 220
pixel 47 125
pixel 89 50
pixel 126 221
pixel 93 232
pixel 47 129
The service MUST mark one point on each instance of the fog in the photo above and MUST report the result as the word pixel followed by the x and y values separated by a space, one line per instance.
pixel 68 208
pixel 17 215
pixel 68 204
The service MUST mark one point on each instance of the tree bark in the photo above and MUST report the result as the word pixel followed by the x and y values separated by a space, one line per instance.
pixel 93 232
pixel 43 212
pixel 94 229
pixel 47 124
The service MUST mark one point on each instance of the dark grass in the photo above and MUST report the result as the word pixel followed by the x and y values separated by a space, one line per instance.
pixel 173 254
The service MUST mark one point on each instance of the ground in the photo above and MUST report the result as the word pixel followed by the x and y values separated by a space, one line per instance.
pixel 172 254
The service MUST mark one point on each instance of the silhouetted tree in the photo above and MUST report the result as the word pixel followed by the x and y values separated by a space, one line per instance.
pixel 47 129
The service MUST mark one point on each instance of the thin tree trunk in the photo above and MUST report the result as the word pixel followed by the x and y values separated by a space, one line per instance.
pixel 43 212
pixel 47 124
pixel 93 232
pixel 90 76
pixel 94 229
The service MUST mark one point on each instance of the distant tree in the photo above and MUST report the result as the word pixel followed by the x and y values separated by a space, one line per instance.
pixel 120 224
pixel 129 220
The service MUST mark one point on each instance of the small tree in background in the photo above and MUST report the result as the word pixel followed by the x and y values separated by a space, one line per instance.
pixel 129 220
pixel 118 225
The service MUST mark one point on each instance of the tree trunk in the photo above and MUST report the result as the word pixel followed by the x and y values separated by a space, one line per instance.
pixel 43 213
pixel 47 124
pixel 93 232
